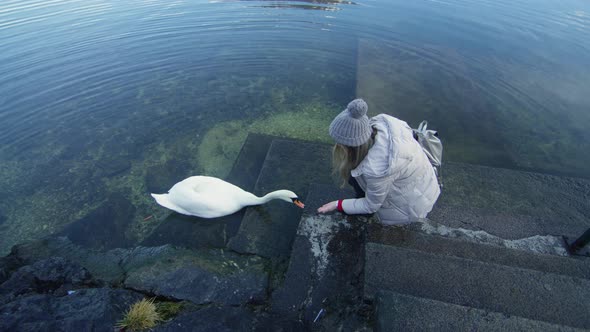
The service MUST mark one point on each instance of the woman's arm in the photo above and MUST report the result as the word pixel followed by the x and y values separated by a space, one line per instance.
pixel 377 191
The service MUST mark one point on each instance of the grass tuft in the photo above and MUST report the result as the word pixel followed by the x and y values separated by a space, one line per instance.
pixel 141 315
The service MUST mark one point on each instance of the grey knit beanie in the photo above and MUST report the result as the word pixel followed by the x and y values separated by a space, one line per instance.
pixel 351 127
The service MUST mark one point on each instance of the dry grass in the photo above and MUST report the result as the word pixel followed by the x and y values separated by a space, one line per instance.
pixel 141 315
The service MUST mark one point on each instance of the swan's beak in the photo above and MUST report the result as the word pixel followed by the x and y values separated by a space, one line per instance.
pixel 298 202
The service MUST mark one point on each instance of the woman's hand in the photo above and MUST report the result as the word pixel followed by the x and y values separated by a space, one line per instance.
pixel 328 207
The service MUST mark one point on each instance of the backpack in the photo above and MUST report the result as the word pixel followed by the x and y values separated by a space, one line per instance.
pixel 432 147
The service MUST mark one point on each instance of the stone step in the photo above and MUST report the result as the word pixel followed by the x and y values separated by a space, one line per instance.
pixel 522 292
pixel 413 237
pixel 512 204
pixel 268 230
pixel 400 312
pixel 195 232
pixel 326 263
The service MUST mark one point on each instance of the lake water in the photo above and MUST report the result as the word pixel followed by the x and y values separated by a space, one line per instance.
pixel 96 95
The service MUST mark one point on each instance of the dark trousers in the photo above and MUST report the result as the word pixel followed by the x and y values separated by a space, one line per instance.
pixel 355 185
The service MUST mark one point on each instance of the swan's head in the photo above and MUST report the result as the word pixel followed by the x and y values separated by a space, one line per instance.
pixel 289 196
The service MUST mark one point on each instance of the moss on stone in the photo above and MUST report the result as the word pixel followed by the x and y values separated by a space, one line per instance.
pixel 168 310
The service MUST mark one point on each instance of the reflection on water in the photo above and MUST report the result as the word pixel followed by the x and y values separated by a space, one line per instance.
pixel 322 2
pixel 98 97
pixel 315 4
pixel 296 6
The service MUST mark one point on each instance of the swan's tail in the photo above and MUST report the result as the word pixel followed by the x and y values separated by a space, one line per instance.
pixel 164 201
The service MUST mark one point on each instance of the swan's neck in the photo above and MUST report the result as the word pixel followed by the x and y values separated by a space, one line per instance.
pixel 255 200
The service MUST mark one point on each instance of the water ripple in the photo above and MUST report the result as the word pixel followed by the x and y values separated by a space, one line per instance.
pixel 71 62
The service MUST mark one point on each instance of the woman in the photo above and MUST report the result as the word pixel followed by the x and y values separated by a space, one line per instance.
pixel 381 155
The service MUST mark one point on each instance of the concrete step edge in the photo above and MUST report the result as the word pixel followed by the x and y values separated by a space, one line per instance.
pixel 406 237
pixel 402 312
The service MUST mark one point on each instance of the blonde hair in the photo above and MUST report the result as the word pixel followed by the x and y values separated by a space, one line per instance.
pixel 346 158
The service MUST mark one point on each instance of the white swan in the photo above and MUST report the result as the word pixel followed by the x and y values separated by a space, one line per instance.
pixel 209 197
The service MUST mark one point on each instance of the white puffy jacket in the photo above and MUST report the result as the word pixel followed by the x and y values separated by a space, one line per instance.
pixel 399 181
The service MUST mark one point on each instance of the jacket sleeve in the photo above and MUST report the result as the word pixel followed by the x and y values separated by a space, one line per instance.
pixel 375 194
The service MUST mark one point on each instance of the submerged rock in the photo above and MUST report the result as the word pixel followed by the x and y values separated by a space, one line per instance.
pixel 103 228
pixel 160 178
pixel 200 277
pixel 112 166
pixel 8 264
pixel 189 232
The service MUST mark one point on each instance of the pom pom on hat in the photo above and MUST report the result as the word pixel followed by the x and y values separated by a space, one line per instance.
pixel 357 108
pixel 351 127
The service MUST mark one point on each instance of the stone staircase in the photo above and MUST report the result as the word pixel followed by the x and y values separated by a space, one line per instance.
pixel 489 258
pixel 436 278
pixel 467 269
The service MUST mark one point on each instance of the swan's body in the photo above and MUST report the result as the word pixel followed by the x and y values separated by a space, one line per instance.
pixel 209 197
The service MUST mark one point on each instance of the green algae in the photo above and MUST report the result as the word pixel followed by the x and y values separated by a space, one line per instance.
pixel 221 144
pixel 220 147
pixel 34 216
pixel 309 123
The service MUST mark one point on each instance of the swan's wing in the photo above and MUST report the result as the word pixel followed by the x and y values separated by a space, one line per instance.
pixel 208 197
pixel 205 185
pixel 164 200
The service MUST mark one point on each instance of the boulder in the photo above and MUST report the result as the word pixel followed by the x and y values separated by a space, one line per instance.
pixel 53 275
pixel 92 309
